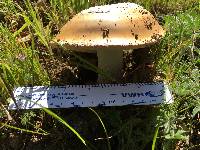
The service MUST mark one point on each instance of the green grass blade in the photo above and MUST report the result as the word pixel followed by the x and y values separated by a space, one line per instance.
pixel 107 137
pixel 3 86
pixel 21 29
pixel 65 123
pixel 154 138
pixel 20 129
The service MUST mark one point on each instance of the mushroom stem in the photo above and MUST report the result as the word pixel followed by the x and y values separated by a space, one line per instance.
pixel 111 62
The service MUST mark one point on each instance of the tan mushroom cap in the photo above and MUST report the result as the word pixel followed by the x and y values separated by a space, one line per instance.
pixel 117 26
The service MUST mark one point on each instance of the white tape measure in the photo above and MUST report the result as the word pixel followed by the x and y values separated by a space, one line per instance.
pixel 91 95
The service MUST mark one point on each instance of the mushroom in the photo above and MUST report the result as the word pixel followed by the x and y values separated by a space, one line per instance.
pixel 108 30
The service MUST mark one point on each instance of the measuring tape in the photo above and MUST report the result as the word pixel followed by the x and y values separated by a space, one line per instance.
pixel 91 95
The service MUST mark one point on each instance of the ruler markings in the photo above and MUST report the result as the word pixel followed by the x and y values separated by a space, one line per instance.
pixel 91 95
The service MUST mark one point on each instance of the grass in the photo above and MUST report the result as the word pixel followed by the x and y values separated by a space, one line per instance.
pixel 22 63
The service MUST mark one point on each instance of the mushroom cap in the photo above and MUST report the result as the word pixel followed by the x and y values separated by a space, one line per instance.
pixel 116 26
